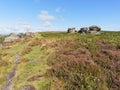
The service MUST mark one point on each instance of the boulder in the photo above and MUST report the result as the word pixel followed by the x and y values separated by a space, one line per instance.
pixel 11 38
pixel 94 29
pixel 71 30
pixel 83 30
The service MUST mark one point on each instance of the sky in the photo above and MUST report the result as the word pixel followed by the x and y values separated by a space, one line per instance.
pixel 57 15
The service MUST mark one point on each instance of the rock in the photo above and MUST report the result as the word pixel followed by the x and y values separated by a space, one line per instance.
pixel 21 35
pixel 94 29
pixel 17 58
pixel 71 30
pixel 94 32
pixel 28 87
pixel 86 30
pixel 10 75
pixel 11 38
pixel 9 80
pixel 83 30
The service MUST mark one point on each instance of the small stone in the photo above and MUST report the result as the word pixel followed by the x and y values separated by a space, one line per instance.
pixel 28 87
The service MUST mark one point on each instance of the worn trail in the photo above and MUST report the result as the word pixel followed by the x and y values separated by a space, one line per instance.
pixel 9 78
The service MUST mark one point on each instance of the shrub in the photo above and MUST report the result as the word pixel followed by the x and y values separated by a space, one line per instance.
pixel 92 65
pixel 26 50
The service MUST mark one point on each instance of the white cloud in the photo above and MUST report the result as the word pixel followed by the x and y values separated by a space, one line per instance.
pixel 19 26
pixel 24 25
pixel 10 29
pixel 47 24
pixel 45 16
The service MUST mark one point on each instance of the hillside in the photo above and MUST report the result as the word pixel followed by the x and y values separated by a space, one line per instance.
pixel 61 61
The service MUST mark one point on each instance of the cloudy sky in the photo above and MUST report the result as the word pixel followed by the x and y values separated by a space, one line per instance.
pixel 47 15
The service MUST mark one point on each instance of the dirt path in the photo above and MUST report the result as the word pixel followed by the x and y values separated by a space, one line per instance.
pixel 9 78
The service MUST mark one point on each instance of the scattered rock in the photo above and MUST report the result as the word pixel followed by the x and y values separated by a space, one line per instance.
pixel 11 75
pixel 18 58
pixel 28 87
pixel 9 80
pixel 31 60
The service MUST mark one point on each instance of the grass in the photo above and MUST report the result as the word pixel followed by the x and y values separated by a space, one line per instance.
pixel 35 64
pixel 8 56
pixel 65 61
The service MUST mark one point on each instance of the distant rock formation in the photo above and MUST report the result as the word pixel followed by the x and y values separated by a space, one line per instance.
pixel 86 30
pixel 83 30
pixel 71 30
pixel 94 30
pixel 12 37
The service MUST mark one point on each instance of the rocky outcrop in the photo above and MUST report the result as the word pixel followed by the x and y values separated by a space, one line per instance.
pixel 71 30
pixel 83 30
pixel 86 30
pixel 11 38
pixel 94 30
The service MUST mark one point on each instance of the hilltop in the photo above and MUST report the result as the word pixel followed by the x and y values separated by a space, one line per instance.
pixel 61 61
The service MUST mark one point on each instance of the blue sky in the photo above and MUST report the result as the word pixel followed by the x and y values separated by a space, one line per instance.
pixel 45 15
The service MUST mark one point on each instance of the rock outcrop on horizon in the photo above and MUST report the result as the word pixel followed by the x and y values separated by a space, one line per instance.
pixel 71 30
pixel 86 30
pixel 94 29
pixel 83 30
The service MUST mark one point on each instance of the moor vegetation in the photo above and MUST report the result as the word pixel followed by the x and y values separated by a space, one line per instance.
pixel 63 61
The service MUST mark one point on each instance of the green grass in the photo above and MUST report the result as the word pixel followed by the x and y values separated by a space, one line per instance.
pixel 9 59
pixel 36 64
pixel 57 55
